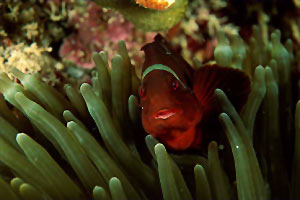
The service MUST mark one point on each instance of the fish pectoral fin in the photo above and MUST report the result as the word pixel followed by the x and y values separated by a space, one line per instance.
pixel 233 82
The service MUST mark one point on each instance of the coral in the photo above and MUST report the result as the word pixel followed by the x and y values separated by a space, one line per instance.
pixel 48 24
pixel 196 33
pixel 269 15
pixel 27 30
pixel 79 47
pixel 28 59
pixel 50 149
pixel 32 21
pixel 98 29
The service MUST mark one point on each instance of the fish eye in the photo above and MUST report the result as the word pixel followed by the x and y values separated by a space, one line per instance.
pixel 175 85
pixel 142 92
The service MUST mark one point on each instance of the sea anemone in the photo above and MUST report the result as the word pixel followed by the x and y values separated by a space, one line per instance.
pixel 50 146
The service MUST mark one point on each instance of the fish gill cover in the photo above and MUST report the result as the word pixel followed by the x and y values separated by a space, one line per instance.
pixel 87 142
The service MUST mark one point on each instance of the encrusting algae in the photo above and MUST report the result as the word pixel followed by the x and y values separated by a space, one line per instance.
pixel 50 146
pixel 156 4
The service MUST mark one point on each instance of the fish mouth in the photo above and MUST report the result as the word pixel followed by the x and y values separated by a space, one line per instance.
pixel 164 114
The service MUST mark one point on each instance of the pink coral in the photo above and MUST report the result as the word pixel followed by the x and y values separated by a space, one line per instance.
pixel 79 46
pixel 97 30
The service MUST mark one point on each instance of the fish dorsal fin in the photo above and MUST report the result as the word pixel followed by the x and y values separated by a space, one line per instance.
pixel 233 82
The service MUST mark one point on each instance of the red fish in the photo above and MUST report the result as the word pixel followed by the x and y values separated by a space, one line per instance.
pixel 177 101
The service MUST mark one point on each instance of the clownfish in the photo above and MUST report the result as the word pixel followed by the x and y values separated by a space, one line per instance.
pixel 178 103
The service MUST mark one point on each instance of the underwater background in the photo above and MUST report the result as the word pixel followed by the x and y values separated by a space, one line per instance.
pixel 70 118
